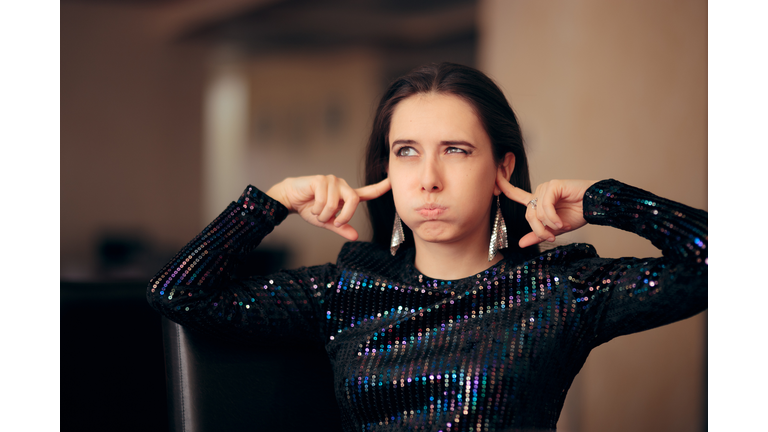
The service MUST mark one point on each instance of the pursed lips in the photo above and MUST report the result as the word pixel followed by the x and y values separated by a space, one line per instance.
pixel 431 211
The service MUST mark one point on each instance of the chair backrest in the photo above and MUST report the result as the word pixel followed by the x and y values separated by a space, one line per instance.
pixel 217 386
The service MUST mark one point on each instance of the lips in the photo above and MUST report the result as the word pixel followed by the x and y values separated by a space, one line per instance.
pixel 431 211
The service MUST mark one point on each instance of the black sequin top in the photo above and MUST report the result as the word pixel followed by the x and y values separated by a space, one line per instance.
pixel 491 352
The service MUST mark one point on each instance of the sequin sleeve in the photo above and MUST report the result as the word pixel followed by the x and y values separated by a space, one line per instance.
pixel 208 287
pixel 629 295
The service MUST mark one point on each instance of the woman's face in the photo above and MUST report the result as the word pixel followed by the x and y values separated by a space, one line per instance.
pixel 441 168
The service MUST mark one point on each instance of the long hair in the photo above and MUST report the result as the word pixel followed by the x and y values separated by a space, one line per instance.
pixel 496 117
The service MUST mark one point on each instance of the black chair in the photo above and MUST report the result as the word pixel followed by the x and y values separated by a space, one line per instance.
pixel 111 359
pixel 218 386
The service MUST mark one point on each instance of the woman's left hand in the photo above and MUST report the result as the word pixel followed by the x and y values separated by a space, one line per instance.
pixel 557 210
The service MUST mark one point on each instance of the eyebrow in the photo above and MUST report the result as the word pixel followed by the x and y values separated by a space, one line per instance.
pixel 444 143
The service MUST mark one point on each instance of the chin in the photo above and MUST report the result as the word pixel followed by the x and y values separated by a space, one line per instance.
pixel 434 234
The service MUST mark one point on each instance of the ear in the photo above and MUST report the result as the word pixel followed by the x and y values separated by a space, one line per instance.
pixel 506 168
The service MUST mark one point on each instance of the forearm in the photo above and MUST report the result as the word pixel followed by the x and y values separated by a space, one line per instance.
pixel 678 230
pixel 208 258
pixel 635 294
pixel 198 289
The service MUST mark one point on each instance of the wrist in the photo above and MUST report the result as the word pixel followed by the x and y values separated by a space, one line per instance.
pixel 277 193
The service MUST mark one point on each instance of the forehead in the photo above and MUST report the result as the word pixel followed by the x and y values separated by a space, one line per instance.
pixel 436 117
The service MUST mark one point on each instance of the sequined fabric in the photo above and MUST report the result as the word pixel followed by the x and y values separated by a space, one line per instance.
pixel 496 351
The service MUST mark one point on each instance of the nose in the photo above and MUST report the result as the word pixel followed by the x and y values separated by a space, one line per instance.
pixel 431 176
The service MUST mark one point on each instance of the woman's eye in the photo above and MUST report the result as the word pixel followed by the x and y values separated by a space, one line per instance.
pixel 406 151
pixel 454 150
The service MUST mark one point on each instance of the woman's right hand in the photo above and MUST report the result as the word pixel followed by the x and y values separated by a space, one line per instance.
pixel 326 201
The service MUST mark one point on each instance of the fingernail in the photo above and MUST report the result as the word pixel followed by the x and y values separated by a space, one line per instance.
pixel 559 225
pixel 551 239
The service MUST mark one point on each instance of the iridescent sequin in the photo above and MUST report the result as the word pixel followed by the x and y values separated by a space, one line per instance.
pixel 494 351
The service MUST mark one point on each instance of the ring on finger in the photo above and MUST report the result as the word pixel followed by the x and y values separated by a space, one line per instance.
pixel 533 202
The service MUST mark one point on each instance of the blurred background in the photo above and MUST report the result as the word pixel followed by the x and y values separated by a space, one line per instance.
pixel 169 108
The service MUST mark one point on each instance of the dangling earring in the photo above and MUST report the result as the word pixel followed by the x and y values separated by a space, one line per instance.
pixel 398 236
pixel 499 234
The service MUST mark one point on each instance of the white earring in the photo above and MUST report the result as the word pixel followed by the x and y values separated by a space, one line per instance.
pixel 499 234
pixel 398 236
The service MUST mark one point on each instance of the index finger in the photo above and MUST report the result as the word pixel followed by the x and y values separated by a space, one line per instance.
pixel 375 190
pixel 514 193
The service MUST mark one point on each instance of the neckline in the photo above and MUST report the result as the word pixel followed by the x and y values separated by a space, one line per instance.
pixel 415 276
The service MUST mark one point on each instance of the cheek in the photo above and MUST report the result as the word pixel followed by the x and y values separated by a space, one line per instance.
pixel 477 182
pixel 399 190
pixel 401 181
pixel 402 199
pixel 477 191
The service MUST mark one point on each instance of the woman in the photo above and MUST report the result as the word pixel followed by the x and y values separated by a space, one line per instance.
pixel 439 323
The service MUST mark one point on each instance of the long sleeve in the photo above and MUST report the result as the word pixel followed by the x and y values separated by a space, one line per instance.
pixel 629 295
pixel 207 286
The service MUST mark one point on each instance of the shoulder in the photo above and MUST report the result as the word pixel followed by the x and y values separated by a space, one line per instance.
pixel 564 254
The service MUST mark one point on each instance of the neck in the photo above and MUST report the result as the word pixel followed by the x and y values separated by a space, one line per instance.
pixel 450 261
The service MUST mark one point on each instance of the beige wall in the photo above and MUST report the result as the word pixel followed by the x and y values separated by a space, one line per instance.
pixel 146 147
pixel 608 89
pixel 131 109
pixel 305 114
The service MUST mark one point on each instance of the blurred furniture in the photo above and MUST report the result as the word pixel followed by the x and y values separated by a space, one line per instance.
pixel 271 386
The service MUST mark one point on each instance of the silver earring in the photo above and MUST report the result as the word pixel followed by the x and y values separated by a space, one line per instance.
pixel 499 234
pixel 398 236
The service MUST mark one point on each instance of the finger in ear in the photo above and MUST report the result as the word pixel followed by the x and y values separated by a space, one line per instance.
pixel 508 164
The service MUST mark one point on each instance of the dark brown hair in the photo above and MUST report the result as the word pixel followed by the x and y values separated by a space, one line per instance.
pixel 497 118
